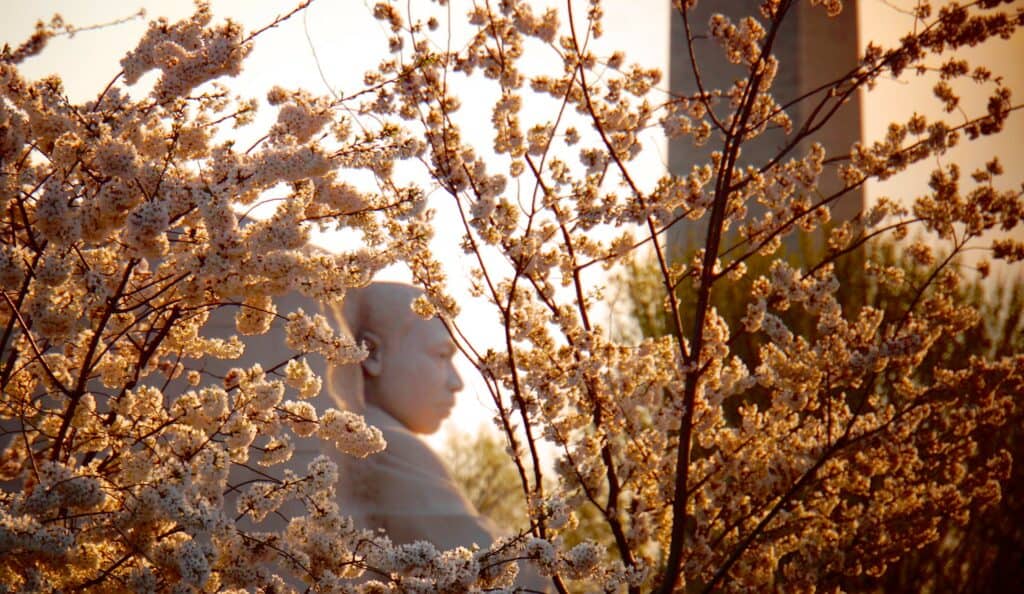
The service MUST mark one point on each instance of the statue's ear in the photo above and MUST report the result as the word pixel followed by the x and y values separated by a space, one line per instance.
pixel 373 363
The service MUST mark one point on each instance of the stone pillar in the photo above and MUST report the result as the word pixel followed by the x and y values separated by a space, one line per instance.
pixel 812 50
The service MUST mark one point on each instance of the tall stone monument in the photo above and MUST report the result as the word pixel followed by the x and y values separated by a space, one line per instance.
pixel 812 50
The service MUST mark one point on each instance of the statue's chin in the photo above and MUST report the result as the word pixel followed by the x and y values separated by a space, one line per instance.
pixel 427 427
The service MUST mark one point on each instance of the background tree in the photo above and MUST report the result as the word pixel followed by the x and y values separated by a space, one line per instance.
pixel 984 555
pixel 488 478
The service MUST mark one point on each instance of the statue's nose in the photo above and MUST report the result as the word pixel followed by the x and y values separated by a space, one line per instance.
pixel 454 381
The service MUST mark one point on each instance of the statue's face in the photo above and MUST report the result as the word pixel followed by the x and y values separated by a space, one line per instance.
pixel 418 381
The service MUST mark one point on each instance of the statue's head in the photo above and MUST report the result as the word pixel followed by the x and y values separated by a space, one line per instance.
pixel 409 372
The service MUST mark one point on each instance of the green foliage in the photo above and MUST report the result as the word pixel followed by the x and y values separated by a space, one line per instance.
pixel 642 284
pixel 487 477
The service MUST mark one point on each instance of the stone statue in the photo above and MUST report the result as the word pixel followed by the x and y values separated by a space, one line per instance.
pixel 409 385
pixel 406 388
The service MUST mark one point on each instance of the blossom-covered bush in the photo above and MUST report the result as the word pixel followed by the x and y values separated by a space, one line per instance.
pixel 124 228
pixel 835 445
pixel 834 449
pixel 979 556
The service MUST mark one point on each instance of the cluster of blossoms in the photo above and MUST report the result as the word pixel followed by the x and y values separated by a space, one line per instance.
pixel 130 445
pixel 824 452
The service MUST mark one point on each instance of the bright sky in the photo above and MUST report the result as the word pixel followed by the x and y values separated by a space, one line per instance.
pixel 348 42
pixel 884 21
